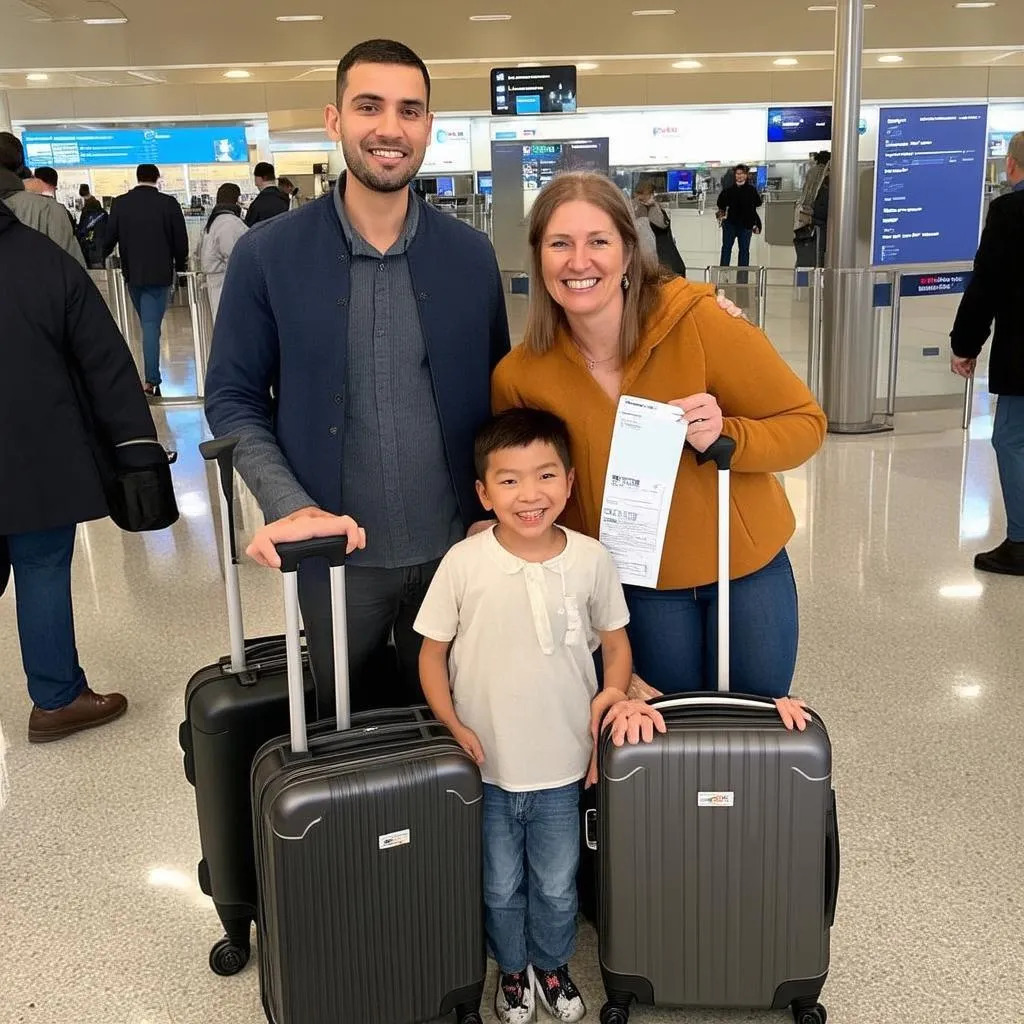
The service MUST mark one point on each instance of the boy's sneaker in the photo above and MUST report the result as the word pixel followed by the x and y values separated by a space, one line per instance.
pixel 513 1001
pixel 558 994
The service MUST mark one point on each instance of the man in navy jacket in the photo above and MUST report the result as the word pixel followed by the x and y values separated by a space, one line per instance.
pixel 352 357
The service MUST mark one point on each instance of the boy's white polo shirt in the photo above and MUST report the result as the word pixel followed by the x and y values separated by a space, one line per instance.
pixel 521 665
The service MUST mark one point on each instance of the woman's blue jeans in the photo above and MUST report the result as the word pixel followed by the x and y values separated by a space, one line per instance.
pixel 674 633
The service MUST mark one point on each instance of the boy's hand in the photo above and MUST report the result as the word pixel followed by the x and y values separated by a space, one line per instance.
pixel 630 721
pixel 469 741
pixel 792 713
pixel 605 700
pixel 303 525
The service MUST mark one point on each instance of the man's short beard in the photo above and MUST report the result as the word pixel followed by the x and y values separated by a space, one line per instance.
pixel 357 165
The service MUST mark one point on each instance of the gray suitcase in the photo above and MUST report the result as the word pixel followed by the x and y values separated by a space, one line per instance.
pixel 718 849
pixel 368 854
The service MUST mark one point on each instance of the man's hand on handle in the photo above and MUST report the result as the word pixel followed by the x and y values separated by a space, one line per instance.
pixel 963 367
pixel 305 524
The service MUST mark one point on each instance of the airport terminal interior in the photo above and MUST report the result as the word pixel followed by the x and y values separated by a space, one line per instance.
pixel 913 659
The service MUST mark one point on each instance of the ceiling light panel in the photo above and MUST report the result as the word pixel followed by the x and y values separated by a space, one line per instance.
pixel 661 12
pixel 299 17
pixel 785 62
pixel 490 17
pixel 687 65
pixel 237 73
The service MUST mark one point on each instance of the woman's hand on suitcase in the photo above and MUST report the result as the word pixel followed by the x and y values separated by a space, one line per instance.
pixel 792 712
pixel 704 420
pixel 305 524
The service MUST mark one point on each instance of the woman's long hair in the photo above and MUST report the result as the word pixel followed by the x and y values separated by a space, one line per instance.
pixel 645 276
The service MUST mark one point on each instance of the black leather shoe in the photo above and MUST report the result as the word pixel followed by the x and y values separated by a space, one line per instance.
pixel 1007 559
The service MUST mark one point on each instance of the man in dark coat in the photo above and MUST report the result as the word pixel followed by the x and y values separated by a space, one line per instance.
pixel 271 201
pixel 150 229
pixel 61 346
pixel 996 294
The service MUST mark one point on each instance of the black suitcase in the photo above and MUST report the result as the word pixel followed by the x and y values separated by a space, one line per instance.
pixel 368 854
pixel 718 849
pixel 231 709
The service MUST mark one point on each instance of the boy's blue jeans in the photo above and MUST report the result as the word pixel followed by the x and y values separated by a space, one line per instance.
pixel 531 853
pixel 674 633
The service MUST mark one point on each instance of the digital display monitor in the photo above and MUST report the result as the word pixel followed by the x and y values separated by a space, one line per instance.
pixel 929 184
pixel 484 183
pixel 543 90
pixel 761 175
pixel 680 181
pixel 541 161
pixel 446 186
pixel 127 147
pixel 799 124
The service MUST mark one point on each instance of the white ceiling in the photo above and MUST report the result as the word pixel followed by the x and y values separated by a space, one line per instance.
pixel 194 41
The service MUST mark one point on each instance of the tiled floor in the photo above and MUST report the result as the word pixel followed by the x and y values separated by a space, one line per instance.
pixel 914 661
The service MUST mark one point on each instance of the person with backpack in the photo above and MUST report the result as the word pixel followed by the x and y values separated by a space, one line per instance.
pixel 92 226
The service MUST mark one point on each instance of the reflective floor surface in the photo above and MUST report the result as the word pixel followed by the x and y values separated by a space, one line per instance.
pixel 913 659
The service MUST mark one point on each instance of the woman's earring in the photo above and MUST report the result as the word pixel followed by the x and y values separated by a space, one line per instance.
pixel 625 282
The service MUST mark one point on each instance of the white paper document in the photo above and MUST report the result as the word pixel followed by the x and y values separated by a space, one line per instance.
pixel 646 447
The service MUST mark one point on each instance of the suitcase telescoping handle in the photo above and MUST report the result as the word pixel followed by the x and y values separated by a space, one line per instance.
pixel 720 453
pixel 292 555
pixel 222 451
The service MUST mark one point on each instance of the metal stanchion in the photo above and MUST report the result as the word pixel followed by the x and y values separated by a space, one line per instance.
pixel 816 280
pixel 762 296
pixel 968 403
pixel 195 310
pixel 894 345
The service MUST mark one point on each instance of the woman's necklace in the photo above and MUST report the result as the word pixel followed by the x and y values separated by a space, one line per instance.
pixel 592 364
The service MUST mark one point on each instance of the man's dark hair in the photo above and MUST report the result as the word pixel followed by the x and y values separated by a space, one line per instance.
pixel 519 428
pixel 379 51
pixel 83 191
pixel 147 173
pixel 12 156
pixel 264 171
pixel 47 175
pixel 228 193
pixel 822 158
pixel 741 167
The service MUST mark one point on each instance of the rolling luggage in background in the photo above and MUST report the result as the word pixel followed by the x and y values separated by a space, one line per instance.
pixel 718 849
pixel 368 854
pixel 231 709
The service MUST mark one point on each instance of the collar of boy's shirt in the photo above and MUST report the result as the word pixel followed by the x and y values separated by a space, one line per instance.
pixel 512 564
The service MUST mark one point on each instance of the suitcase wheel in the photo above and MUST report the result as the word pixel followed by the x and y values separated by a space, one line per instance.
pixel 614 1013
pixel 812 1015
pixel 226 958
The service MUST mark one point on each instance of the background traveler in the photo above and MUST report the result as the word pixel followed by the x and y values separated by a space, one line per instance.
pixel 33 210
pixel 224 227
pixel 271 201
pixel 737 213
pixel 996 293
pixel 149 228
pixel 61 348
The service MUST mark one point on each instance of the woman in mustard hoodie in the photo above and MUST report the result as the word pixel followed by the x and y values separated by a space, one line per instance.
pixel 604 321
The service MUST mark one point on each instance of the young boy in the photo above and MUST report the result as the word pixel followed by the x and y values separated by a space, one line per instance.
pixel 510 624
